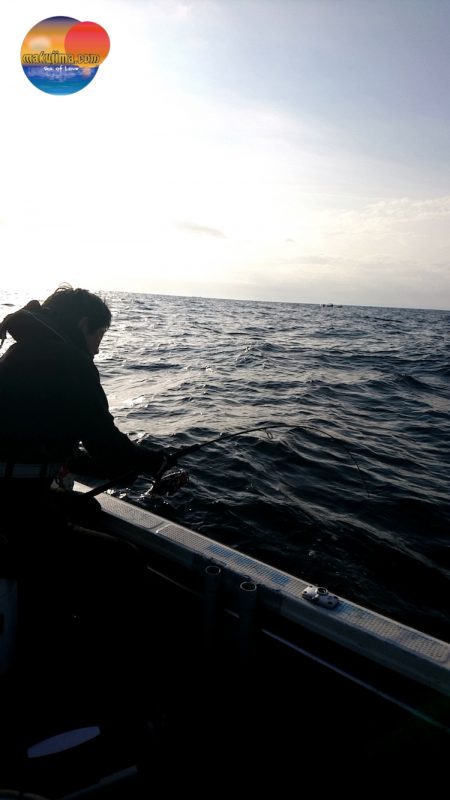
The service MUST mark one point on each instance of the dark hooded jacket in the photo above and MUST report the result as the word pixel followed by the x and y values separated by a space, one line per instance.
pixel 51 400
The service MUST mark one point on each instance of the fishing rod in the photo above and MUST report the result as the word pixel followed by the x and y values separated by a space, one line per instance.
pixel 168 482
pixel 103 487
pixel 192 448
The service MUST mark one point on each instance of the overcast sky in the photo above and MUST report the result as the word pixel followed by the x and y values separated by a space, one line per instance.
pixel 264 149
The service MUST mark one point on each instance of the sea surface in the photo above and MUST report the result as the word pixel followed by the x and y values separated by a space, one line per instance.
pixel 350 489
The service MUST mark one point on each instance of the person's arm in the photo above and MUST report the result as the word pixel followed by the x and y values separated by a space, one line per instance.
pixel 109 451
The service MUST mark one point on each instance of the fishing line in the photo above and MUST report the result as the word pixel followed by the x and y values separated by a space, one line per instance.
pixel 183 451
pixel 168 482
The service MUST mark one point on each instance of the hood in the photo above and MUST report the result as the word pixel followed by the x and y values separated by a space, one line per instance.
pixel 35 323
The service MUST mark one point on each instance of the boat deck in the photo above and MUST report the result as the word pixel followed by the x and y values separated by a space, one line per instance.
pixel 230 679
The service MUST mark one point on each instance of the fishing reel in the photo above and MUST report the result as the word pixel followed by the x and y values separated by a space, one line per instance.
pixel 169 482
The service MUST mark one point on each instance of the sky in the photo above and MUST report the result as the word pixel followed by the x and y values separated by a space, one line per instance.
pixel 286 150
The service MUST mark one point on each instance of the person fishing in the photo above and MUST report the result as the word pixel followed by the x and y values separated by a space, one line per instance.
pixel 51 400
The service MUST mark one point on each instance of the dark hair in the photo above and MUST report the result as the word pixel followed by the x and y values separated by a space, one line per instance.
pixel 68 306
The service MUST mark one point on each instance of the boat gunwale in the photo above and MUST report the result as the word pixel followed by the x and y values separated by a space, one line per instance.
pixel 408 651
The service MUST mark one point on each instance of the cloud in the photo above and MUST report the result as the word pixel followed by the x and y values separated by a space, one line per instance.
pixel 405 208
pixel 371 281
pixel 203 230
pixel 387 214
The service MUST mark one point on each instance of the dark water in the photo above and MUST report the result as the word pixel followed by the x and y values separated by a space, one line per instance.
pixel 355 495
